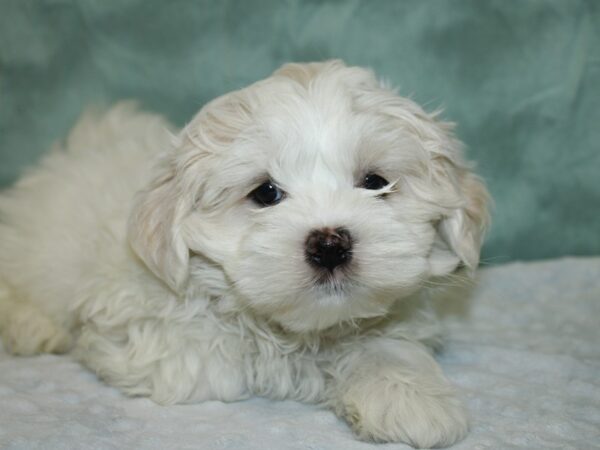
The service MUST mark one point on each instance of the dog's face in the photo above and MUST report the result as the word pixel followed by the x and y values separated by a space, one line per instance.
pixel 323 196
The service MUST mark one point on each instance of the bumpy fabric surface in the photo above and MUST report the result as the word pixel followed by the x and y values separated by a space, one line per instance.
pixel 521 78
pixel 523 349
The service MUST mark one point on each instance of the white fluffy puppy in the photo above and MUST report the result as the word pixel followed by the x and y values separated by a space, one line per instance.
pixel 275 247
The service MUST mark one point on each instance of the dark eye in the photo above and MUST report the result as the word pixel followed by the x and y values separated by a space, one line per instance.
pixel 374 182
pixel 267 194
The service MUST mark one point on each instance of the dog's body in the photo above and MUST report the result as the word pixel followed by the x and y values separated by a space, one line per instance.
pixel 189 290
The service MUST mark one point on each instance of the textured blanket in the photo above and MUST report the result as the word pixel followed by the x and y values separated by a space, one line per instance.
pixel 523 349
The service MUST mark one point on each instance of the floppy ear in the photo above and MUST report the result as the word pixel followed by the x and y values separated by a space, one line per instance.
pixel 462 225
pixel 457 197
pixel 154 228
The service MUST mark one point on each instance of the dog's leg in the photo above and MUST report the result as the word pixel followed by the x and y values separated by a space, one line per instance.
pixel 394 391
pixel 168 361
pixel 27 331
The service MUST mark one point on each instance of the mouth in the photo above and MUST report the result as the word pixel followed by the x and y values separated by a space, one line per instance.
pixel 335 281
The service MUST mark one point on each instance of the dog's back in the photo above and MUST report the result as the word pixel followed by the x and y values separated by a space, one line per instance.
pixel 65 222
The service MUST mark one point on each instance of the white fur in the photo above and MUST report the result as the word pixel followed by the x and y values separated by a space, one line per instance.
pixel 188 291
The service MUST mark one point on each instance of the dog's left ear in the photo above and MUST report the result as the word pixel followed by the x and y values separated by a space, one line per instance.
pixel 463 223
pixel 457 197
pixel 154 228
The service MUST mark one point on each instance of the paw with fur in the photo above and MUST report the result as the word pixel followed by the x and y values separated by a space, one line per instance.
pixel 401 408
pixel 27 331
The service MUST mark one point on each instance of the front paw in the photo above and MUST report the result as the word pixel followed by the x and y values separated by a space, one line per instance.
pixel 396 408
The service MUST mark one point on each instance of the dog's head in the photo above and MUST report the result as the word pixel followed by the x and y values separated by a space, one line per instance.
pixel 322 195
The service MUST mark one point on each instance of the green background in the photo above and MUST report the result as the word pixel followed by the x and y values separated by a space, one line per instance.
pixel 521 79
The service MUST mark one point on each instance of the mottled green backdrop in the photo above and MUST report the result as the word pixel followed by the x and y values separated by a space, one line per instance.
pixel 521 78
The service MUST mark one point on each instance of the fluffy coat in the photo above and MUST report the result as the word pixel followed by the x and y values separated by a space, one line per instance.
pixel 140 249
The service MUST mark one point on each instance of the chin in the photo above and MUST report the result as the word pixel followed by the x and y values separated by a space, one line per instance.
pixel 279 245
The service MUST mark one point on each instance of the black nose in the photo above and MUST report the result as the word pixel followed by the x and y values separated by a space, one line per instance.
pixel 329 247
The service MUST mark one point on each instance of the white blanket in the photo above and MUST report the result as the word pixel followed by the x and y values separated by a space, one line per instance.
pixel 523 349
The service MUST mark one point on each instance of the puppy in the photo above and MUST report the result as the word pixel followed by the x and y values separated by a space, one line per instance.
pixel 280 245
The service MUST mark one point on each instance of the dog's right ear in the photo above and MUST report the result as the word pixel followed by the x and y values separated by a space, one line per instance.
pixel 154 228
